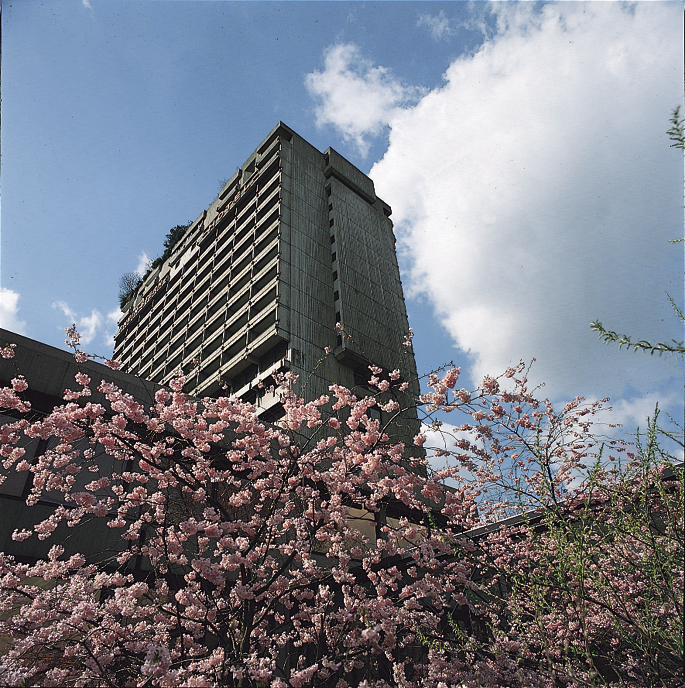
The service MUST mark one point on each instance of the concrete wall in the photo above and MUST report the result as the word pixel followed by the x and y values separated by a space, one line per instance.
pixel 49 371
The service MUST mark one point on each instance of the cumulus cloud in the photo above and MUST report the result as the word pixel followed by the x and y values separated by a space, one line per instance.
pixel 438 24
pixel 535 191
pixel 9 309
pixel 88 326
pixel 358 98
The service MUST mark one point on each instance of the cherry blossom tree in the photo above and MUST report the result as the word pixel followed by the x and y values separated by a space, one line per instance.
pixel 247 559
pixel 582 584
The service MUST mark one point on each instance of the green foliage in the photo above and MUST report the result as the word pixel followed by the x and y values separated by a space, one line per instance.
pixel 608 336
pixel 128 285
pixel 587 591
pixel 173 236
pixel 222 183
pixel 677 131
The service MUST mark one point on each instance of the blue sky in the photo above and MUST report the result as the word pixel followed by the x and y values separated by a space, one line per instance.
pixel 521 146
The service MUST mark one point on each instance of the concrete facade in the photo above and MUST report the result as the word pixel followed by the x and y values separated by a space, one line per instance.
pixel 296 242
pixel 49 371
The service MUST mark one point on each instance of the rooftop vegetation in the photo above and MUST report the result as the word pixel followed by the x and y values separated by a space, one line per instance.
pixel 130 282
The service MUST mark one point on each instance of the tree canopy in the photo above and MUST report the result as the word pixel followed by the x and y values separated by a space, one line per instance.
pixel 318 552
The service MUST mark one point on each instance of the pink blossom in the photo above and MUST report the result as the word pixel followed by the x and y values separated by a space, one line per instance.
pixel 162 396
pixel 451 377
pixel 463 396
pixel 82 379
pixel 390 407
pixel 157 661
pixel 240 543
pixel 19 384
pixel 177 383
pixel 21 535
pixel 84 499
pixel 8 351
pixel 490 385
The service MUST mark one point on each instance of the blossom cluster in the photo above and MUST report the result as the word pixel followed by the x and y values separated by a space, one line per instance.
pixel 320 552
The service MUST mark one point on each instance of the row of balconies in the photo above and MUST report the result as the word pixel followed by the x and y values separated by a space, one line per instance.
pixel 221 318
pixel 212 282
pixel 221 297
pixel 232 231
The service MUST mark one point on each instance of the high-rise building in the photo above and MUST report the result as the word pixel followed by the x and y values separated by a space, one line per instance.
pixel 296 242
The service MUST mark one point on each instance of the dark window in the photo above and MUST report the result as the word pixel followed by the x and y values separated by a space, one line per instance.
pixel 273 355
pixel 331 222
pixel 273 414
pixel 373 412
pixel 250 397
pixel 332 238
pixel 336 295
pixel 333 256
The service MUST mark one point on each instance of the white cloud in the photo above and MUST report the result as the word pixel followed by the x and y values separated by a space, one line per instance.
pixel 112 325
pixel 87 5
pixel 358 98
pixel 9 308
pixel 88 326
pixel 70 315
pixel 634 413
pixel 143 263
pixel 438 24
pixel 535 191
